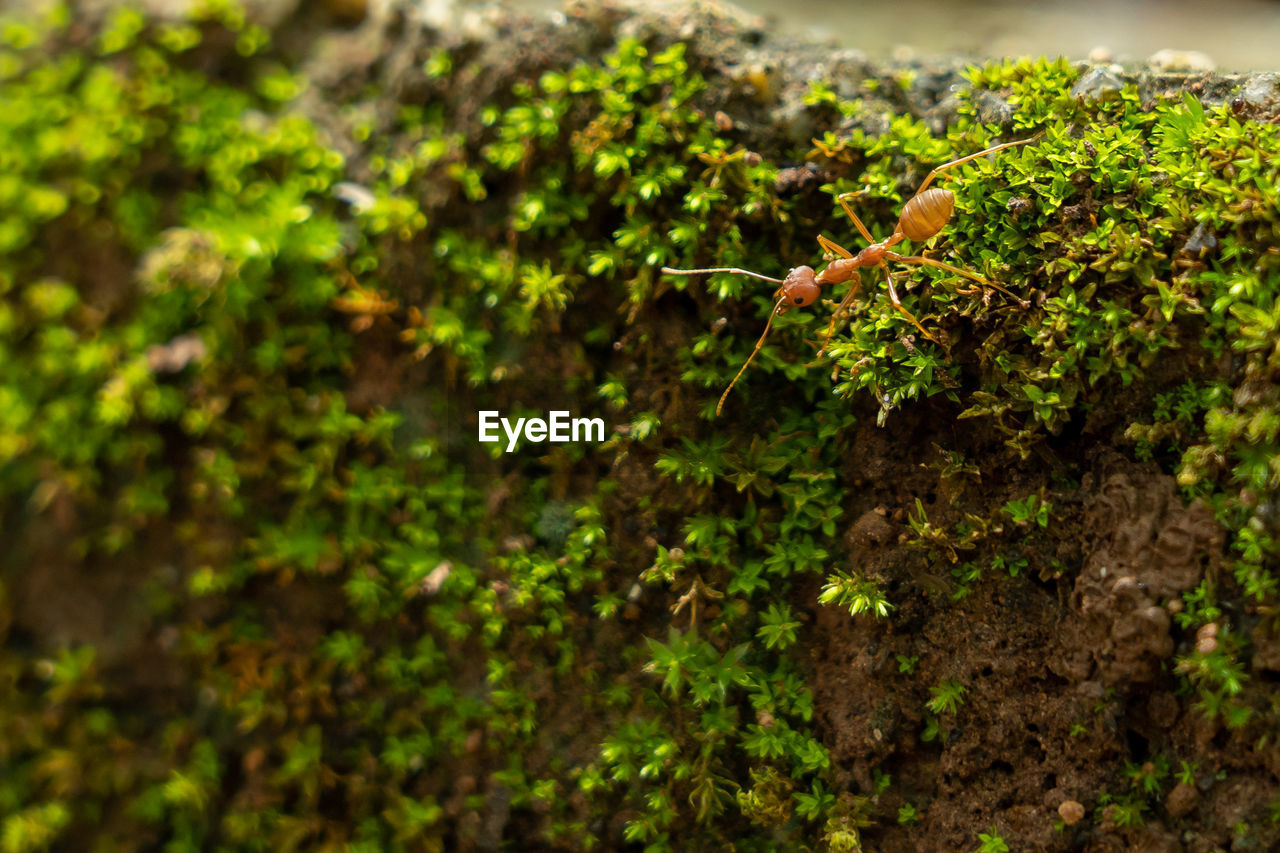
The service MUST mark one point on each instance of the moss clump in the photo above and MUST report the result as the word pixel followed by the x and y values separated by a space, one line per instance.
pixel 236 374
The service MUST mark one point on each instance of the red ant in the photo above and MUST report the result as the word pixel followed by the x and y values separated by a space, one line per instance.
pixel 923 216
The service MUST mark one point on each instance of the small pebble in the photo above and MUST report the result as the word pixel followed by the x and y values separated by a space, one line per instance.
pixel 992 109
pixel 1200 242
pixel 1071 812
pixel 1181 60
pixel 902 53
pixel 1098 84
pixel 1207 638
pixel 1261 91
pixel 1181 800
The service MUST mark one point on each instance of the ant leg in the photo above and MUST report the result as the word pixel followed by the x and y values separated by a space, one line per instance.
pixel 777 309
pixel 929 179
pixel 862 229
pixel 854 286
pixel 897 303
pixel 831 247
pixel 923 261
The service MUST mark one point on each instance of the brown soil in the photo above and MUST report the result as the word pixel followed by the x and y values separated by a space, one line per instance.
pixel 1068 668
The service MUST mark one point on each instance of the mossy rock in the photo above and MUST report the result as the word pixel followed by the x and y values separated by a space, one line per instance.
pixel 1006 579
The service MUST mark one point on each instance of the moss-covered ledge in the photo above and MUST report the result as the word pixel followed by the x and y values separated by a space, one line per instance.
pixel 1014 588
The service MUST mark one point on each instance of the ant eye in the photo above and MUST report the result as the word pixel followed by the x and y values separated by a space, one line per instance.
pixel 799 300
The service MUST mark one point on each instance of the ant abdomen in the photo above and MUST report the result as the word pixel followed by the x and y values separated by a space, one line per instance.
pixel 926 214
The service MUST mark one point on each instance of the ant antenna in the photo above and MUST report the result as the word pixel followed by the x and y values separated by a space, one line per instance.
pixel 737 270
pixel 760 343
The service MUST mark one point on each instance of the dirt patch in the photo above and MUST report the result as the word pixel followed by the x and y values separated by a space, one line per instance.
pixel 1067 668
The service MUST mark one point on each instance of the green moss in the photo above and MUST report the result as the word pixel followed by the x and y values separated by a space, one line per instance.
pixel 367 643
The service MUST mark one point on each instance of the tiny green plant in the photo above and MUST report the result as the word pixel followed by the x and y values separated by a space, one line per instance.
pixel 932 730
pixel 1126 812
pixel 991 842
pixel 1148 776
pixel 947 697
pixel 778 628
pixel 1031 509
pixel 858 594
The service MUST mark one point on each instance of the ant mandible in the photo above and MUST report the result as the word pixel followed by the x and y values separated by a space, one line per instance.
pixel 923 216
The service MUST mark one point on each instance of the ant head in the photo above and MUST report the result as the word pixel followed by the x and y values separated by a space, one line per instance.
pixel 799 288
